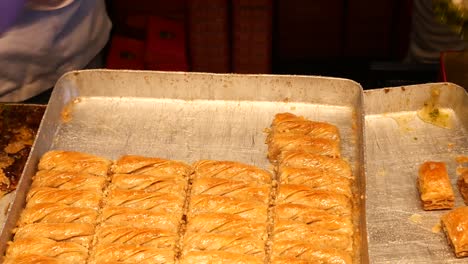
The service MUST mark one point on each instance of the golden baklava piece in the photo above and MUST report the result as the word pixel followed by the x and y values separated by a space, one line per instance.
pixel 455 226
pixel 435 187
pixel 73 161
pixel 290 123
pixel 462 172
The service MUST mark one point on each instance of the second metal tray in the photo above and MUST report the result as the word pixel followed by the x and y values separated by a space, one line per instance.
pixel 397 143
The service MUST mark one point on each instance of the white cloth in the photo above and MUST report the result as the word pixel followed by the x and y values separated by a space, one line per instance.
pixel 43 45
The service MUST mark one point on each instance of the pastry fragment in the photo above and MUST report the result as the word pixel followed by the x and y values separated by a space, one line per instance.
pixel 31 258
pixel 75 198
pixel 279 142
pixel 302 159
pixel 231 188
pixel 328 201
pixel 57 213
pixel 316 179
pixel 230 170
pixel 313 218
pixel 139 218
pixel 132 164
pixel 434 186
pixel 80 233
pixel 68 181
pixel 290 123
pixel 128 235
pixel 118 253
pixel 67 251
pixel 149 183
pixel 152 201
pixel 462 172
pixel 305 234
pixel 218 257
pixel 252 210
pixel 224 242
pixel 455 226
pixel 72 161
pixel 226 224
pixel 309 252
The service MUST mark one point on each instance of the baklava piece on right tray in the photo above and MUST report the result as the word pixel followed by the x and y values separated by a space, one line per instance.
pixel 434 186
pixel 462 172
pixel 455 226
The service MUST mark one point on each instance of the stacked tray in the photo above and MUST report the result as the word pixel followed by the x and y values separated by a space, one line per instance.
pixel 195 116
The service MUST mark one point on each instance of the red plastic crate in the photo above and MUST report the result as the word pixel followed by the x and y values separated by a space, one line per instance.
pixel 165 42
pixel 126 53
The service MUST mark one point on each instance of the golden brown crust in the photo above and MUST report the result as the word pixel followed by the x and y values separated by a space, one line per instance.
pixel 323 200
pixel 302 159
pixel 230 170
pixel 31 258
pixel 202 204
pixel 139 218
pixel 461 159
pixel 288 260
pixel 151 201
pixel 68 181
pixel 455 226
pixel 315 179
pixel 132 164
pixel 231 188
pixel 323 225
pixel 72 161
pixel 67 251
pixel 79 233
pixel 318 219
pixel 218 257
pixel 128 235
pixel 224 242
pixel 290 123
pixel 280 142
pixel 131 254
pixel 435 187
pixel 75 198
pixel 463 186
pixel 226 224
pixel 149 183
pixel 321 239
pixel 57 213
pixel 309 252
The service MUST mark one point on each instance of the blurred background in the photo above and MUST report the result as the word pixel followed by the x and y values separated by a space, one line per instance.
pixel 363 40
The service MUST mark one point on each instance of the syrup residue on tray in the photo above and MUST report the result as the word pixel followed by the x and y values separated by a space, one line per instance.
pixel 431 112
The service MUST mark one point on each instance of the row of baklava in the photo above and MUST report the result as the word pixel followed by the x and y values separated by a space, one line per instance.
pixel 313 209
pixel 82 209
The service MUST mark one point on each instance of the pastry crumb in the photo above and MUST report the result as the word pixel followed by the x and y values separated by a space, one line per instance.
pixel 416 218
pixel 436 228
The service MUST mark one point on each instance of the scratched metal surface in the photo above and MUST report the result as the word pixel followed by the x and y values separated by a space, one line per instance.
pixel 187 117
pixel 397 142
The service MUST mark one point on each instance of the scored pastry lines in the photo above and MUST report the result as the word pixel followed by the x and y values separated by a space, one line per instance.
pixel 61 210
pixel 313 208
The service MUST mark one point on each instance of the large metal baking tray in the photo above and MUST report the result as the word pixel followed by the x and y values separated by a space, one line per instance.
pixel 397 142
pixel 188 116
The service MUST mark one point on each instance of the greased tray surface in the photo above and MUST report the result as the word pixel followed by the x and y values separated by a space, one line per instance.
pixel 188 116
pixel 397 142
